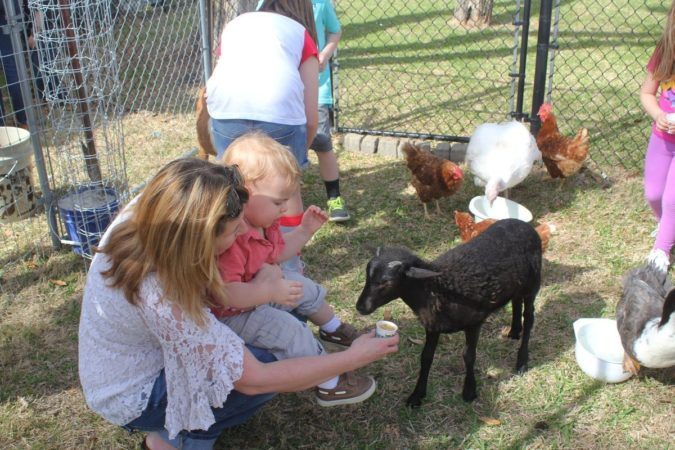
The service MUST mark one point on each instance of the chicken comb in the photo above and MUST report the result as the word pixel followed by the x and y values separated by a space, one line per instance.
pixel 545 110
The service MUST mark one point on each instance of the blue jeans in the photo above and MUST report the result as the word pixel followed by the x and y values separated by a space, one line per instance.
pixel 238 408
pixel 292 136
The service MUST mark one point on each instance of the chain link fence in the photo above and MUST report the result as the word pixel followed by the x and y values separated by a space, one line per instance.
pixel 420 69
pixel 429 68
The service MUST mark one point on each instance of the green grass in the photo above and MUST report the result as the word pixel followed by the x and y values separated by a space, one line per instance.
pixel 411 67
pixel 405 66
pixel 601 231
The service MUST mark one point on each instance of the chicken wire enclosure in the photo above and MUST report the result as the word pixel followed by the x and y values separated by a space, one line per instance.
pixel 78 64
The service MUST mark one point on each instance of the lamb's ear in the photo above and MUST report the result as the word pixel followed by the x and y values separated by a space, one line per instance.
pixel 419 273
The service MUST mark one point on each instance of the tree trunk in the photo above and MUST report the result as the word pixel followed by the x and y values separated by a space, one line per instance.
pixel 474 12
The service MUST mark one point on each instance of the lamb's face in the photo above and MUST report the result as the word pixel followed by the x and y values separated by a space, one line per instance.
pixel 383 278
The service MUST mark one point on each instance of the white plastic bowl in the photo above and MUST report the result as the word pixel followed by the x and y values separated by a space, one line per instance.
pixel 599 351
pixel 501 208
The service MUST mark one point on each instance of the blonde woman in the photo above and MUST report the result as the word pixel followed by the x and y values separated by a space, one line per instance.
pixel 151 355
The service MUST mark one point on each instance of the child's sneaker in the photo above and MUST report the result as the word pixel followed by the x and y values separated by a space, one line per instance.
pixel 337 211
pixel 351 388
pixel 340 338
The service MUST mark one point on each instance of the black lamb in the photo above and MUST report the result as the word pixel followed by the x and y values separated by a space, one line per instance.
pixel 458 290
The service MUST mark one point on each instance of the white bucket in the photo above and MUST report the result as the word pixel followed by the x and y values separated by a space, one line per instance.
pixel 501 208
pixel 17 196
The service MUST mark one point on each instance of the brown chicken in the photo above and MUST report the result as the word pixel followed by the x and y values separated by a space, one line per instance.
pixel 468 229
pixel 432 177
pixel 203 133
pixel 562 156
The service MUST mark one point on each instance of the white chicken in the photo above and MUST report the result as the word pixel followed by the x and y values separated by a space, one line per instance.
pixel 500 155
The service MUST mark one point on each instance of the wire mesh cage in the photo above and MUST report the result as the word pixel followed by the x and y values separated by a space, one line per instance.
pixel 77 60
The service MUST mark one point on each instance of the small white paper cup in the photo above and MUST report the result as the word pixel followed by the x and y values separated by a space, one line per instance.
pixel 670 117
pixel 385 328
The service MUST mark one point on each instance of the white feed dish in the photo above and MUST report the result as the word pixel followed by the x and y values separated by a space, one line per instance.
pixel 501 208
pixel 599 351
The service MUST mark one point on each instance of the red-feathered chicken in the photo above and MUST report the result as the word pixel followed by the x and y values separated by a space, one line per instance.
pixel 203 133
pixel 562 156
pixel 468 229
pixel 432 177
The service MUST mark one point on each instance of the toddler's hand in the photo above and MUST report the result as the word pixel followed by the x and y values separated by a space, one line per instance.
pixel 268 273
pixel 287 292
pixel 313 219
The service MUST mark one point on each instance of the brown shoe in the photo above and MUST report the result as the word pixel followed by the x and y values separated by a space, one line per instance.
pixel 341 338
pixel 351 388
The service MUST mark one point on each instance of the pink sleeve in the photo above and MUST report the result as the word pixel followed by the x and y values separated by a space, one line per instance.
pixel 308 49
pixel 231 264
pixel 654 60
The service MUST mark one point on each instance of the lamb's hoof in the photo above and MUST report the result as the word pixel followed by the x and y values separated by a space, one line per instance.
pixel 414 401
pixel 469 396
pixel 510 333
pixel 522 369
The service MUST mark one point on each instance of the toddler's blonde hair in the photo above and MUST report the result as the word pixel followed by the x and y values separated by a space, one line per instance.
pixel 259 157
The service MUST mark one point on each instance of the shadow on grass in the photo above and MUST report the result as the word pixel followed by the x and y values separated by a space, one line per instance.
pixel 40 358
pixel 38 333
pixel 397 218
pixel 556 420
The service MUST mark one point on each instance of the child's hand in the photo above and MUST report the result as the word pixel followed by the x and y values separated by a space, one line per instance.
pixel 287 292
pixel 662 122
pixel 268 273
pixel 323 60
pixel 313 219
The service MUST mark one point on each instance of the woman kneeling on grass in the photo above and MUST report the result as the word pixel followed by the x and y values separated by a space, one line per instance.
pixel 151 355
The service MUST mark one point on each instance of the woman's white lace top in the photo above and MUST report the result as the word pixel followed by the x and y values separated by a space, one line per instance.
pixel 123 348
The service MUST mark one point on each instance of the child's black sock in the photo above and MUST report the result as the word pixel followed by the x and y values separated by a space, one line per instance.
pixel 332 188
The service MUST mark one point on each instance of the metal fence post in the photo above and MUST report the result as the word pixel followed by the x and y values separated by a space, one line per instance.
pixel 525 22
pixel 15 23
pixel 543 37
pixel 205 32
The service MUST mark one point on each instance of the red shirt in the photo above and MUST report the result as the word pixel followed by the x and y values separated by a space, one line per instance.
pixel 246 256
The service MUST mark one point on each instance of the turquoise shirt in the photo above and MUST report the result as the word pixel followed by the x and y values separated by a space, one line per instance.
pixel 327 23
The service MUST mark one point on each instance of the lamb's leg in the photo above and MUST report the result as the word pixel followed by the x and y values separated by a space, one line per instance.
pixel 415 399
pixel 528 322
pixel 516 318
pixel 438 208
pixel 471 336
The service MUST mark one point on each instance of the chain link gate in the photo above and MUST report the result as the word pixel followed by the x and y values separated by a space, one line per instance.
pixel 412 69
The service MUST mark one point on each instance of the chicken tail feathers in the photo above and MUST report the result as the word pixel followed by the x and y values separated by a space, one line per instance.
pixel 203 134
pixel 463 221
pixel 579 145
pixel 544 232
